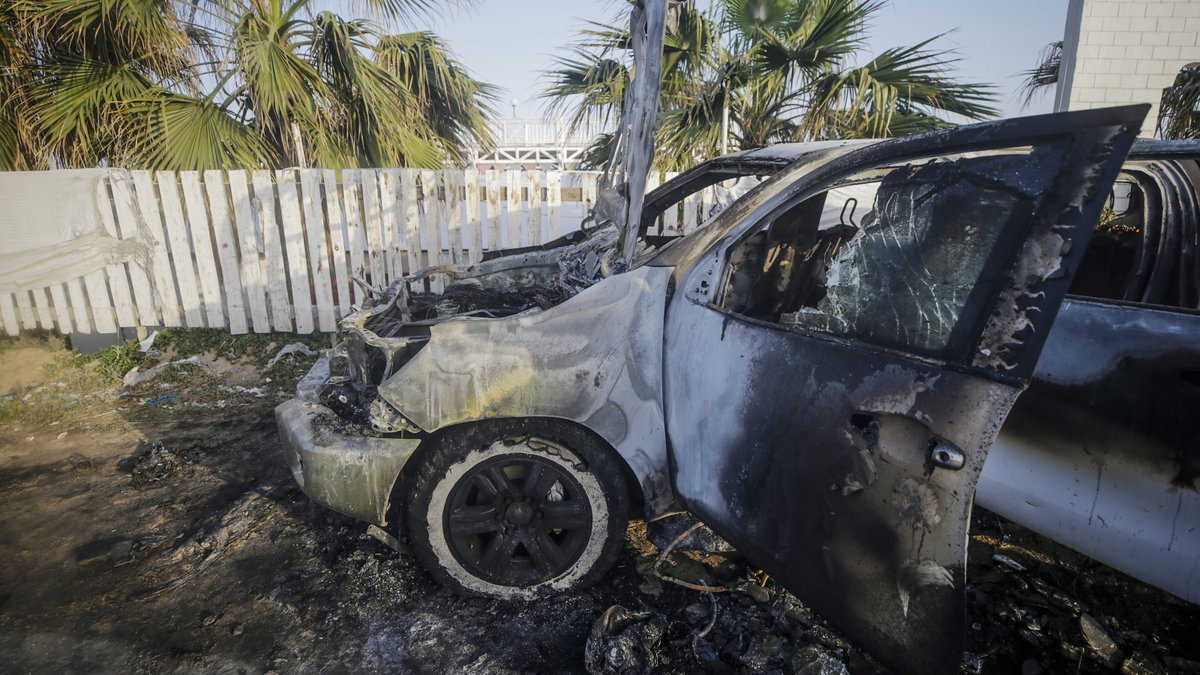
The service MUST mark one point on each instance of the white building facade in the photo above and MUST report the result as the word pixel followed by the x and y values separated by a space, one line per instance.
pixel 1121 51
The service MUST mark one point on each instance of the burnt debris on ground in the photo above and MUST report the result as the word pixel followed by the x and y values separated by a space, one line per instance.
pixel 173 539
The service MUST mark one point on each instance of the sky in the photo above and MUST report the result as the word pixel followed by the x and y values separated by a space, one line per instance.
pixel 509 42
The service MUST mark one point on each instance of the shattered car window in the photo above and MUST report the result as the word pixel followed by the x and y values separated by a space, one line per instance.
pixel 1110 266
pixel 1142 250
pixel 892 256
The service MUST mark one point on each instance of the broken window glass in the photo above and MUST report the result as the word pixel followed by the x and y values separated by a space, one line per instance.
pixel 896 256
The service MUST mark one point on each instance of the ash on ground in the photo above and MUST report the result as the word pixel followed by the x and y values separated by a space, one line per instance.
pixel 185 546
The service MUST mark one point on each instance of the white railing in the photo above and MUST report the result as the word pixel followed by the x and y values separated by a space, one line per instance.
pixel 552 132
pixel 545 141
pixel 275 250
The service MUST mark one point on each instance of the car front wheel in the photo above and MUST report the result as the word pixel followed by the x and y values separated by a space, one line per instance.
pixel 517 510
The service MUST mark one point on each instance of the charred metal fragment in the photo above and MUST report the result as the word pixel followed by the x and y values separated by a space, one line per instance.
pixel 387 420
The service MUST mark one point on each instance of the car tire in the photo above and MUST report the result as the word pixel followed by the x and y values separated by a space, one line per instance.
pixel 483 505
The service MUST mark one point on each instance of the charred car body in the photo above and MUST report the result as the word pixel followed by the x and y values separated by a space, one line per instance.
pixel 817 374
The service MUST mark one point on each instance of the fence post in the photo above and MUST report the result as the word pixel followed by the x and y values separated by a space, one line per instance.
pixel 131 226
pixel 495 240
pixel 181 248
pixel 164 280
pixel 534 224
pixel 247 244
pixel 474 221
pixel 452 212
pixel 514 209
pixel 318 247
pixel 412 218
pixel 335 215
pixel 393 236
pixel 277 283
pixel 201 245
pixel 218 206
pixel 554 203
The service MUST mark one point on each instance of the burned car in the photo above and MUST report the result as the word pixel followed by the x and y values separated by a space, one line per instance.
pixel 817 374
pixel 1102 451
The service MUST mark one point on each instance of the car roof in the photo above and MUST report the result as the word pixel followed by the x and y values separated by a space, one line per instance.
pixel 1149 149
pixel 789 152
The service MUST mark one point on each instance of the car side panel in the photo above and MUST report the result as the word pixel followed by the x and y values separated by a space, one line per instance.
pixel 1102 452
pixel 595 359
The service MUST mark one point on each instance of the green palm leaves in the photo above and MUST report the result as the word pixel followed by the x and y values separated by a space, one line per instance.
pixel 203 84
pixel 753 72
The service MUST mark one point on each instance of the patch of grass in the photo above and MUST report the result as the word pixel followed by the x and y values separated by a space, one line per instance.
pixel 20 413
pixel 113 362
pixel 192 390
pixel 51 342
pixel 43 408
pixel 252 348
pixel 288 371
pixel 76 387
pixel 87 389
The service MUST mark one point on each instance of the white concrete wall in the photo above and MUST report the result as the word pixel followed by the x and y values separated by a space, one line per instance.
pixel 1127 52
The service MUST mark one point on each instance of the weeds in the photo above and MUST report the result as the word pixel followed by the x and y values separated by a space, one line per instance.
pixel 82 389
pixel 50 342
pixel 114 362
pixel 252 348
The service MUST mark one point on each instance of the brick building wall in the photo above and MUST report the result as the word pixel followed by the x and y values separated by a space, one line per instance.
pixel 1121 51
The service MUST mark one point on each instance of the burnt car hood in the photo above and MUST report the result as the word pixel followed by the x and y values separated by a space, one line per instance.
pixel 595 359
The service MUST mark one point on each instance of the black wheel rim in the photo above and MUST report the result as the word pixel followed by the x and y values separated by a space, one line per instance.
pixel 517 520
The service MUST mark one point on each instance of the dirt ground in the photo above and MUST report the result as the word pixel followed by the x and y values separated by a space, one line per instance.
pixel 177 542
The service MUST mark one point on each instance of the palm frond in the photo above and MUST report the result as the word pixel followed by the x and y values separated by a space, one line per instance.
pixel 280 81
pixel 409 11
pixel 597 82
pixel 817 35
pixel 75 103
pixel 454 105
pixel 115 31
pixel 167 131
pixel 1043 75
pixel 22 146
pixel 111 81
pixel 1179 116
pixel 597 153
pixel 913 76
pixel 755 19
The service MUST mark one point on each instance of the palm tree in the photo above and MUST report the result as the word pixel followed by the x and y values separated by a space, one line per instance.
pixel 754 72
pixel 19 135
pixel 198 84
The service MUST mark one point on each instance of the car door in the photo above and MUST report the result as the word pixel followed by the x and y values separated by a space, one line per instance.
pixel 834 376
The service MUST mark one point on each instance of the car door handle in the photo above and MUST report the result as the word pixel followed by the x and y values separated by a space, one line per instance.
pixel 943 454
pixel 938 451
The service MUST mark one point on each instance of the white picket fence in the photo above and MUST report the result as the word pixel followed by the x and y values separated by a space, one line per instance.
pixel 274 250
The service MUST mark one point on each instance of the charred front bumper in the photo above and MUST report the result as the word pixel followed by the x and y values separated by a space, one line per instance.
pixel 349 473
pixel 346 445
